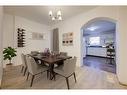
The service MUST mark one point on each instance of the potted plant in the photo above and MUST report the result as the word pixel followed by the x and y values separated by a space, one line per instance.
pixel 9 53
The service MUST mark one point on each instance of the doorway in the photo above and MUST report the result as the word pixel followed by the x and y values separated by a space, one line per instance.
pixel 99 44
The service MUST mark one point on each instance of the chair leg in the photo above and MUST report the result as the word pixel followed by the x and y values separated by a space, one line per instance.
pixel 47 74
pixel 75 77
pixel 27 76
pixel 67 82
pixel 32 80
pixel 22 69
pixel 25 71
pixel 54 75
pixel 50 75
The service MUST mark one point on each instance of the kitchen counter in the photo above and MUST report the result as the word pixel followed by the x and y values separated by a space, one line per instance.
pixel 96 51
pixel 97 46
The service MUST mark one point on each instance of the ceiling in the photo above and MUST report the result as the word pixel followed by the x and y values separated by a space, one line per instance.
pixel 40 13
pixel 99 27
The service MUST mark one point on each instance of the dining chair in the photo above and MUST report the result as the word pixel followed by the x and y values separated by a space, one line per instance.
pixel 34 68
pixel 56 52
pixel 67 70
pixel 63 53
pixel 24 66
pixel 34 52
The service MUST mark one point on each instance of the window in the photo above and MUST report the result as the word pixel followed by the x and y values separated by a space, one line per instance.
pixel 94 40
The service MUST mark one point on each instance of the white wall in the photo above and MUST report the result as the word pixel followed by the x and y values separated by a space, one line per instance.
pixel 1 47
pixel 11 23
pixel 74 25
pixel 8 34
pixel 8 29
pixel 122 45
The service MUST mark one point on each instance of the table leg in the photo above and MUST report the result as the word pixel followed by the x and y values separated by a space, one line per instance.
pixel 51 66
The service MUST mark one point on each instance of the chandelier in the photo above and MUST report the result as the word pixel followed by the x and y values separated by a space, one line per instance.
pixel 55 17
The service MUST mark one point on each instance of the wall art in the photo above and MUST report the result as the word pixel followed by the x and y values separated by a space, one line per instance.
pixel 67 39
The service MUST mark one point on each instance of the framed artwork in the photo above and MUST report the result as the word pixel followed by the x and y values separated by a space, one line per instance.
pixel 37 36
pixel 67 39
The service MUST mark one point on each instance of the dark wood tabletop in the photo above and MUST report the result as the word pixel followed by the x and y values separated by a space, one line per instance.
pixel 54 59
pixel 51 59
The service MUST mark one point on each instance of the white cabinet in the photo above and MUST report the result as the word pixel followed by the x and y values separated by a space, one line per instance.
pixel 96 51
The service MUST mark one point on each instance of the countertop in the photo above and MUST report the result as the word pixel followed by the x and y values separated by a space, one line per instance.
pixel 97 46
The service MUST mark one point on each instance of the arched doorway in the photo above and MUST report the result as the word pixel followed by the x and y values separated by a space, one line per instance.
pixel 100 49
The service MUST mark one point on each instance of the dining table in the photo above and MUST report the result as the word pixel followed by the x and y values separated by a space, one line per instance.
pixel 51 60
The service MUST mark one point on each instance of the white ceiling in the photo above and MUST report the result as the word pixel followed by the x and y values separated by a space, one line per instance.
pixel 40 13
pixel 100 27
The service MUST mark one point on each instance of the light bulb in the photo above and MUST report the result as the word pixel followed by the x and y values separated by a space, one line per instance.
pixel 57 17
pixel 59 13
pixel 50 13
pixel 60 18
pixel 53 18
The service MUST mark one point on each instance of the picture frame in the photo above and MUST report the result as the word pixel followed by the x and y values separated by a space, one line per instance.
pixel 67 39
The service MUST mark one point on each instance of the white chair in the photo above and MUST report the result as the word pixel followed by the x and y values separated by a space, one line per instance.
pixel 34 68
pixel 24 66
pixel 67 70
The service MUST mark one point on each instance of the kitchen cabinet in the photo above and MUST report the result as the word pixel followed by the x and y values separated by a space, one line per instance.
pixel 97 51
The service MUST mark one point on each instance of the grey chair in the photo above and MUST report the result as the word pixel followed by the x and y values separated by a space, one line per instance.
pixel 24 66
pixel 56 52
pixel 63 53
pixel 34 52
pixel 67 70
pixel 34 68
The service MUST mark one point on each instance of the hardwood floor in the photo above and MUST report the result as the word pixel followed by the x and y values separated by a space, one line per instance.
pixel 87 78
pixel 100 63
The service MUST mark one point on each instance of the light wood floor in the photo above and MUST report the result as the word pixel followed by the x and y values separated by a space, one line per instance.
pixel 87 78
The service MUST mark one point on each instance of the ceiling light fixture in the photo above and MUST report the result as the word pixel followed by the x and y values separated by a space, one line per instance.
pixel 93 28
pixel 57 17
